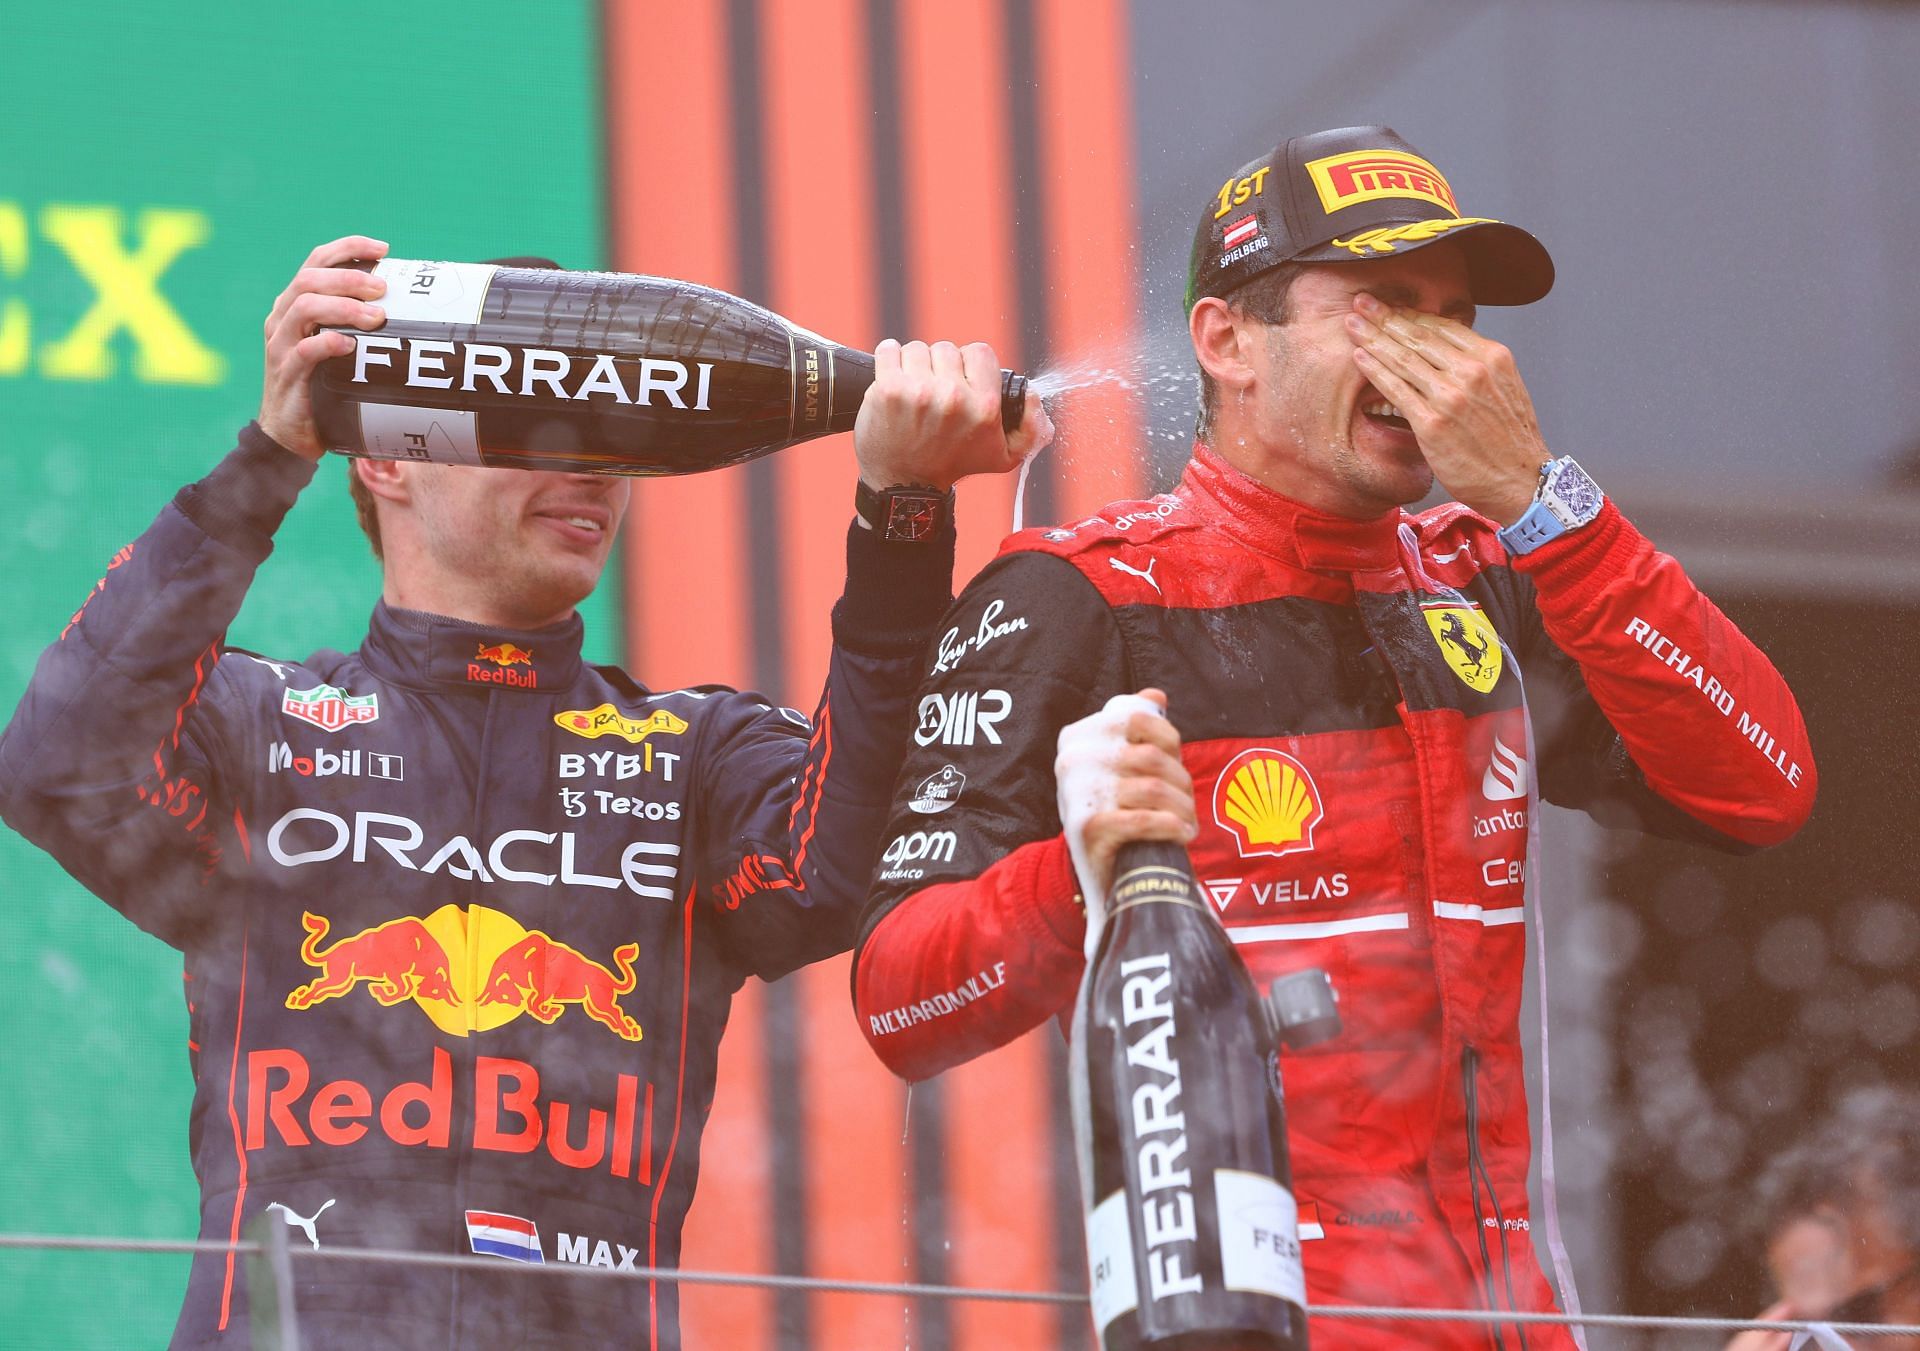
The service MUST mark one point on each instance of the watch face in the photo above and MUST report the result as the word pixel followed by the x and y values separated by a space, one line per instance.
pixel 912 516
pixel 1580 495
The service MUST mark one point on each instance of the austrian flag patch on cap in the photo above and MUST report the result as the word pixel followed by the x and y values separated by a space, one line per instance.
pixel 1350 195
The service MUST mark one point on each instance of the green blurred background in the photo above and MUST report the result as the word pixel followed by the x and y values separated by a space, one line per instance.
pixel 182 161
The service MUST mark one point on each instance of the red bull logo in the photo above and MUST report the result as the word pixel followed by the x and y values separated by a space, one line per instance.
pixel 434 962
pixel 398 960
pixel 504 657
pixel 540 976
pixel 509 1115
pixel 504 654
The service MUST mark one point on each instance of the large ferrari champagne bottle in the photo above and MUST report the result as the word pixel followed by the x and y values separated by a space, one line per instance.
pixel 603 372
pixel 1192 1231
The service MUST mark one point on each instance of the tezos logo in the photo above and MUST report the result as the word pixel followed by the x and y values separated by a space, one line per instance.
pixel 958 719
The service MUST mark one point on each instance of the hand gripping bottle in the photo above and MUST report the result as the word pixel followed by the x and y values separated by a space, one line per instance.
pixel 1192 1233
pixel 601 372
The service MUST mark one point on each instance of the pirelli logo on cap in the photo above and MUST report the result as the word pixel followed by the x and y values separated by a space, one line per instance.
pixel 1368 175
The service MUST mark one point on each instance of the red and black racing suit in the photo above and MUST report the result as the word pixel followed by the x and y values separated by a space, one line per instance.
pixel 1364 755
pixel 462 915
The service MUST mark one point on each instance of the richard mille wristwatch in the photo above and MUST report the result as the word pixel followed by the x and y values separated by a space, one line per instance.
pixel 1566 499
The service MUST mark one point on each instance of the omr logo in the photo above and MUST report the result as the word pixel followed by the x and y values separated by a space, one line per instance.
pixel 127 295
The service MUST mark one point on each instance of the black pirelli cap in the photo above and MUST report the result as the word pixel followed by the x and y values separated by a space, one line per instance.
pixel 1350 195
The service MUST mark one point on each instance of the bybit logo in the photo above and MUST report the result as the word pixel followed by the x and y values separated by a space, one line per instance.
pixel 126 294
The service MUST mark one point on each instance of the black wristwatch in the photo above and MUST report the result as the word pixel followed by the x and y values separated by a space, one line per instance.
pixel 911 513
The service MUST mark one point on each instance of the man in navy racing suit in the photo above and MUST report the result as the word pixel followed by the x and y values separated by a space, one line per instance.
pixel 462 915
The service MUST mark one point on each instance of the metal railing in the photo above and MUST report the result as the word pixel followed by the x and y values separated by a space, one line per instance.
pixel 271 1258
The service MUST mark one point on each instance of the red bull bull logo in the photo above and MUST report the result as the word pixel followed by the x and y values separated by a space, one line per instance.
pixel 503 658
pixel 504 654
pixel 436 962
pixel 541 976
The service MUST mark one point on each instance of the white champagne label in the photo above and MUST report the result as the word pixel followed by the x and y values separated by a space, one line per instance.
pixel 393 431
pixel 1259 1235
pixel 434 293
pixel 1110 1261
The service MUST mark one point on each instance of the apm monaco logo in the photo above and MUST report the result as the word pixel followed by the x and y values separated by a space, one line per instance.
pixel 330 708
pixel 1268 802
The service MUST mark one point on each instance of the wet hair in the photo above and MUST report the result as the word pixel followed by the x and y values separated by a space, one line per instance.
pixel 1263 298
pixel 1868 1146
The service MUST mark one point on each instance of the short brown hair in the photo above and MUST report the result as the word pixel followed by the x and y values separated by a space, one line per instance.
pixel 1265 298
pixel 363 508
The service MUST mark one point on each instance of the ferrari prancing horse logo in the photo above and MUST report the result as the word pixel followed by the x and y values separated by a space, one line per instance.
pixel 1466 638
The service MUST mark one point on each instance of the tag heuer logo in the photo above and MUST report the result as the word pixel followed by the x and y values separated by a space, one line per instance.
pixel 330 708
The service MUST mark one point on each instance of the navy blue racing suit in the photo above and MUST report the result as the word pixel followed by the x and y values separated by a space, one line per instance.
pixel 462 915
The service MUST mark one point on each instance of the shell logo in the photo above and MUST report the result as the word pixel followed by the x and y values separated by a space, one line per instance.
pixel 1268 802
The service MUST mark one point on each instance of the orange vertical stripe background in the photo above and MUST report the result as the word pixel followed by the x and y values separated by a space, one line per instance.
pixel 688 559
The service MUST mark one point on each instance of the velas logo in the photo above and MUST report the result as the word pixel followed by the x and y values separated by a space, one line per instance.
pixel 1268 802
pixel 330 708
pixel 437 962
pixel 1370 175
pixel 606 720
pixel 1466 638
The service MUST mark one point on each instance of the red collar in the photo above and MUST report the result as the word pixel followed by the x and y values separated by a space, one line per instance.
pixel 1282 528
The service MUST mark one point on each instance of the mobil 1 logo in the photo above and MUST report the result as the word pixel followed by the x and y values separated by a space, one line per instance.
pixel 325 764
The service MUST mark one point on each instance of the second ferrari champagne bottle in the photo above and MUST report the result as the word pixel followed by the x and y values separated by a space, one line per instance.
pixel 600 372
pixel 1192 1231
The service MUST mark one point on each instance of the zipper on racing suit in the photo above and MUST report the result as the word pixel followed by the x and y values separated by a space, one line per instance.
pixel 1477 1176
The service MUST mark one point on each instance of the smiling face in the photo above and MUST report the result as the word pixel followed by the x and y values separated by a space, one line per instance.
pixel 511 547
pixel 1307 422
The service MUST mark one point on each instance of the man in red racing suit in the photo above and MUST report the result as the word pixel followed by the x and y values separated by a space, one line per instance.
pixel 1370 704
